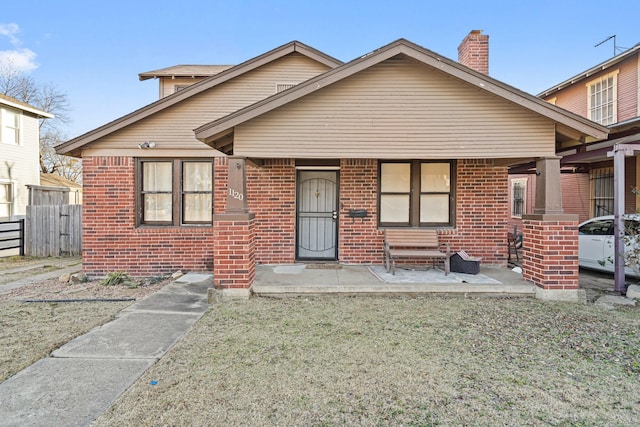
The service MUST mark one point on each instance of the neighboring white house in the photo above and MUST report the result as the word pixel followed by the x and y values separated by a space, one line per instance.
pixel 19 154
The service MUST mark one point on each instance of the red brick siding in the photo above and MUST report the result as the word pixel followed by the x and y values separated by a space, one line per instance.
pixel 113 243
pixel 550 254
pixel 360 240
pixel 234 254
pixel 474 51
pixel 271 192
pixel 110 240
pixel 482 208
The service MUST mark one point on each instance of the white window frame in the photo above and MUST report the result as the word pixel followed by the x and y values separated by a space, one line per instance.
pixel 3 124
pixel 591 109
pixel 514 182
pixel 12 197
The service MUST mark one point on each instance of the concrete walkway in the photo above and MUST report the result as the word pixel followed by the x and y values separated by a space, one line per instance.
pixel 84 377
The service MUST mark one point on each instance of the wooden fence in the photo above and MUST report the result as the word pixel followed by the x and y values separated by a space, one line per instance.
pixel 53 230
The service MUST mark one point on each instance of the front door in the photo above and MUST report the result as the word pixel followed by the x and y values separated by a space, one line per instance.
pixel 317 221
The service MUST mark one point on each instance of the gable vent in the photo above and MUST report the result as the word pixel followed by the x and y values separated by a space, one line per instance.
pixel 280 87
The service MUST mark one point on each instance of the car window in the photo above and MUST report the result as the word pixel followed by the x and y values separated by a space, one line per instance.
pixel 601 227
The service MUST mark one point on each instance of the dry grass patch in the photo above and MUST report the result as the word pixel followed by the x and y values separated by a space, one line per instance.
pixel 32 331
pixel 391 361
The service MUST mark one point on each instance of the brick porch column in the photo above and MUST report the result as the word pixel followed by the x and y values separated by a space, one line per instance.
pixel 550 239
pixel 234 260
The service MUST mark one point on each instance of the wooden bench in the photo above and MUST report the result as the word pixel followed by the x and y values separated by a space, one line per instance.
pixel 413 243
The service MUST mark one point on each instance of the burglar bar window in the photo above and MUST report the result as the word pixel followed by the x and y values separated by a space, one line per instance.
pixel 602 191
pixel 518 193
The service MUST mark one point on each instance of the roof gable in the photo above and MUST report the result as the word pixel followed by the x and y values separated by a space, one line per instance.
pixel 591 71
pixel 567 122
pixel 73 146
pixel 14 103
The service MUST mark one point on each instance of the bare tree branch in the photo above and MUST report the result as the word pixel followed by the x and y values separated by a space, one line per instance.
pixel 49 98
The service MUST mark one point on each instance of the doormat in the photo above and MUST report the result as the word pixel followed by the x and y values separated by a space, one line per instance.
pixel 323 267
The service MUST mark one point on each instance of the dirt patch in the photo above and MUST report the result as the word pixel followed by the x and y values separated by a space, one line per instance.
pixel 53 289
pixel 394 361
pixel 31 331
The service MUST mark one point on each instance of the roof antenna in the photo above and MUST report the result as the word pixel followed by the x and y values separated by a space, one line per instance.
pixel 615 47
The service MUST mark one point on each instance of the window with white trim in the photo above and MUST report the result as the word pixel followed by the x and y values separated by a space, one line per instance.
pixel 602 99
pixel 10 121
pixel 518 197
pixel 416 193
pixel 175 192
pixel 6 200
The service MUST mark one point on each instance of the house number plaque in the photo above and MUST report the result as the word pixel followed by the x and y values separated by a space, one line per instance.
pixel 236 194
pixel 236 201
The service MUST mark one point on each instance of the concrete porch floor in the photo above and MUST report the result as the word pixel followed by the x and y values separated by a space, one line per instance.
pixel 316 279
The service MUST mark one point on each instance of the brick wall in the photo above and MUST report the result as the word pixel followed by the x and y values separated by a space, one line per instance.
pixel 550 254
pixel 234 253
pixel 110 240
pixel 481 214
pixel 360 240
pixel 271 193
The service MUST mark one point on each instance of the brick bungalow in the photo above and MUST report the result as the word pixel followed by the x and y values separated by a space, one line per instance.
pixel 295 156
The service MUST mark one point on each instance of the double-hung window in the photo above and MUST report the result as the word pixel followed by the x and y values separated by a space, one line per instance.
pixel 175 192
pixel 6 200
pixel 10 126
pixel 416 193
pixel 602 99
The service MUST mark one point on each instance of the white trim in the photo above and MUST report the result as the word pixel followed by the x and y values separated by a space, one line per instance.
pixel 12 201
pixel 24 107
pixel 20 129
pixel 601 78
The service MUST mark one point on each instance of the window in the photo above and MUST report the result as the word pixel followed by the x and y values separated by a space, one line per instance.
pixel 602 99
pixel 416 193
pixel 175 192
pixel 601 191
pixel 10 126
pixel 6 199
pixel 518 197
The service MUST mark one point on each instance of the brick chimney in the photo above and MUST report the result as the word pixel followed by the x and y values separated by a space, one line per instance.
pixel 474 51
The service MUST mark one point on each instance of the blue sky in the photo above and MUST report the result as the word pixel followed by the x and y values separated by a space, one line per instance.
pixel 94 51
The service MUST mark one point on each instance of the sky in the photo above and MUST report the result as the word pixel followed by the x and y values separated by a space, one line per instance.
pixel 94 51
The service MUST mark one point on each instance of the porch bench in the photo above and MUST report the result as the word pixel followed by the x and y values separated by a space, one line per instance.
pixel 413 243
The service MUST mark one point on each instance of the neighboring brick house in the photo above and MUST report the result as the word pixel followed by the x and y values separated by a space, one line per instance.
pixel 19 155
pixel 608 94
pixel 233 172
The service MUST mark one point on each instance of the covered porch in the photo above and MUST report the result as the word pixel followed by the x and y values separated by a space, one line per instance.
pixel 305 279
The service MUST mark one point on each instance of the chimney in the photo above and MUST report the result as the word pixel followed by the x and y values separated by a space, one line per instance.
pixel 474 51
